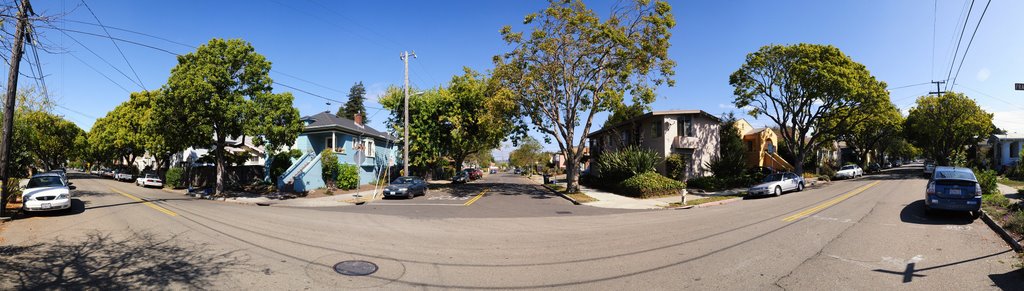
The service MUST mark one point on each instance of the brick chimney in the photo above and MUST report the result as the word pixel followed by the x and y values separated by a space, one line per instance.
pixel 359 119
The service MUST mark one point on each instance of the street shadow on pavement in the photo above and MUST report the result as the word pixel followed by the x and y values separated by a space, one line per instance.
pixel 895 174
pixel 914 213
pixel 137 260
pixel 1013 280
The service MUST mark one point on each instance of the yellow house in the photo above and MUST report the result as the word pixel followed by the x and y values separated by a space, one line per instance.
pixel 761 147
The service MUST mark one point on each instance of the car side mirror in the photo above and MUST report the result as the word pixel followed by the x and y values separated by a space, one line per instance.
pixel 72 187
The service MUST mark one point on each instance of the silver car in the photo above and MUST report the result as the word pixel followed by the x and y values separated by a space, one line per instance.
pixel 778 183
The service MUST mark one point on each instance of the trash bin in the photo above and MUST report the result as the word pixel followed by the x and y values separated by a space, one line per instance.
pixel 547 179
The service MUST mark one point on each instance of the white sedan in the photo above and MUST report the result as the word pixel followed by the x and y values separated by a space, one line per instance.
pixel 46 192
pixel 149 180
pixel 849 172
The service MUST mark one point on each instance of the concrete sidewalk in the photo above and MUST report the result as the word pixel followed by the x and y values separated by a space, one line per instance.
pixel 1010 192
pixel 610 200
pixel 328 201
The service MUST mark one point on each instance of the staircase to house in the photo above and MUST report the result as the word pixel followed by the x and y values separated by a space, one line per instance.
pixel 285 181
pixel 778 163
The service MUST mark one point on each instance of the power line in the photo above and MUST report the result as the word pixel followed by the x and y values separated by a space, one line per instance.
pixel 101 58
pixel 935 16
pixel 982 17
pixel 74 111
pixel 99 72
pixel 991 96
pixel 114 42
pixel 908 86
pixel 959 40
pixel 131 31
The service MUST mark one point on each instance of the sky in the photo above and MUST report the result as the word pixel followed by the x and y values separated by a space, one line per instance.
pixel 324 47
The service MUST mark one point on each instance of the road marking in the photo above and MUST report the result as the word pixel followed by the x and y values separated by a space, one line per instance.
pixel 147 203
pixel 476 198
pixel 829 203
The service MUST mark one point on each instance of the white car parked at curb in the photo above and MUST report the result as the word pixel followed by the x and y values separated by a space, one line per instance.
pixel 46 192
pixel 849 172
pixel 149 180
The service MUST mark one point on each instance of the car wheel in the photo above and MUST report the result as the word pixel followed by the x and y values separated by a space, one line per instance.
pixel 928 211
pixel 778 191
pixel 976 214
pixel 410 195
pixel 800 187
pixel 425 191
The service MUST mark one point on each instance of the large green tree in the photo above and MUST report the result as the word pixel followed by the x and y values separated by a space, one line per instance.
pixel 528 154
pixel 731 160
pixel 626 112
pixel 472 114
pixel 882 128
pixel 574 64
pixel 223 90
pixel 812 92
pixel 944 126
pixel 354 106
pixel 53 141
pixel 121 134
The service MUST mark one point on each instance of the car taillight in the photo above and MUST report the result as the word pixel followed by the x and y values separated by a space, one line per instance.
pixel 977 190
pixel 931 188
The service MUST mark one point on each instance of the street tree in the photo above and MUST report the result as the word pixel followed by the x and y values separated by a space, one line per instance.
pixel 121 133
pixel 222 90
pixel 944 126
pixel 882 128
pixel 574 64
pixel 53 138
pixel 812 92
pixel 474 113
pixel 731 160
pixel 624 112
pixel 528 154
pixel 354 106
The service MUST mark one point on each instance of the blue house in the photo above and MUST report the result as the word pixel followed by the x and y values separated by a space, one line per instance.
pixel 351 140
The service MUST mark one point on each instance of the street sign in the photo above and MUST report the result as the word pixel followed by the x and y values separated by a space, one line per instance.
pixel 359 157
pixel 1018 86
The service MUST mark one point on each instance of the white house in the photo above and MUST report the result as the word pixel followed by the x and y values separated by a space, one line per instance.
pixel 257 154
pixel 1006 149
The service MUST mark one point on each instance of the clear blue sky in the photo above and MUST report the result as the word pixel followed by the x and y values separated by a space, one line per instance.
pixel 337 43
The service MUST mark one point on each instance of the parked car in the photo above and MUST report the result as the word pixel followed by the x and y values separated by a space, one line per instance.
pixel 849 172
pixel 63 175
pixel 474 174
pixel 897 164
pixel 886 165
pixel 778 183
pixel 460 178
pixel 123 176
pixel 929 168
pixel 149 180
pixel 108 173
pixel 517 171
pixel 874 168
pixel 46 192
pixel 408 186
pixel 494 171
pixel 954 189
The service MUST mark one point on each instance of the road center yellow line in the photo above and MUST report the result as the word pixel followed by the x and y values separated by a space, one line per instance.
pixel 827 204
pixel 147 203
pixel 476 198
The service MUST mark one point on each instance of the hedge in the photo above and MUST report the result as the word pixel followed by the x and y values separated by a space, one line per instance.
pixel 650 184
pixel 348 177
pixel 173 177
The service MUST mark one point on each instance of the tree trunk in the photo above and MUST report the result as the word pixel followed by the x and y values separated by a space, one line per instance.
pixel 570 172
pixel 798 165
pixel 219 153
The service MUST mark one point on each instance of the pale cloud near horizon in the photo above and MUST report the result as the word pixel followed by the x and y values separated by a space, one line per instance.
pixel 1011 121
pixel 984 74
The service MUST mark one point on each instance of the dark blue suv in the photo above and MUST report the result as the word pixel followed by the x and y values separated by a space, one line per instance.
pixel 954 189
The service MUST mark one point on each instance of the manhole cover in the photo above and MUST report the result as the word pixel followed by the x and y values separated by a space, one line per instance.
pixel 355 268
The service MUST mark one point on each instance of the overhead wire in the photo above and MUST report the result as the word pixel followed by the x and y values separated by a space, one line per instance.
pixel 968 49
pixel 132 68
pixel 958 42
pixel 101 58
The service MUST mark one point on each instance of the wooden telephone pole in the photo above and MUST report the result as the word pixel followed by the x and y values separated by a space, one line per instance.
pixel 12 91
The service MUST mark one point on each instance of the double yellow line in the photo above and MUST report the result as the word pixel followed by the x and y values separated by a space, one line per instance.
pixel 147 203
pixel 476 198
pixel 827 204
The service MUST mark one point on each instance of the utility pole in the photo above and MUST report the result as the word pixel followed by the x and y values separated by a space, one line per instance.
pixel 12 91
pixel 405 141
pixel 938 91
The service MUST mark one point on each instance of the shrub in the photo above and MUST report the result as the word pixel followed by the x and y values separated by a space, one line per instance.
pixel 173 178
pixel 628 162
pixel 997 200
pixel 1015 223
pixel 650 184
pixel 707 183
pixel 329 162
pixel 15 191
pixel 987 179
pixel 348 176
pixel 281 161
pixel 675 166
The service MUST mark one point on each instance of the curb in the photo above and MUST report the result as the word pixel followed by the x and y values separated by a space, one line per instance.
pixel 1001 232
pixel 720 202
pixel 574 202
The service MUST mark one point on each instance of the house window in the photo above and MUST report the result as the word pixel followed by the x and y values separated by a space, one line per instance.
pixel 685 127
pixel 329 143
pixel 368 148
pixel 656 129
pixel 1015 149
pixel 750 146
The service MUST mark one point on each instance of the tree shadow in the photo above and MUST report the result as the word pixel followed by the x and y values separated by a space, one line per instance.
pixel 914 213
pixel 1013 280
pixel 103 261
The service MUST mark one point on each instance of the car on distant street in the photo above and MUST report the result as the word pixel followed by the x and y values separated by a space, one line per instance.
pixel 874 167
pixel 408 187
pixel 63 175
pixel 929 168
pixel 849 172
pixel 124 176
pixel 474 174
pixel 778 183
pixel 517 171
pixel 46 192
pixel 149 180
pixel 460 178
pixel 108 173
pixel 897 164
pixel 953 189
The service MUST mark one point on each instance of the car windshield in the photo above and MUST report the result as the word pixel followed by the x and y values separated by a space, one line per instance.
pixel 851 167
pixel 45 181
pixel 773 178
pixel 402 180
pixel 151 176
pixel 954 175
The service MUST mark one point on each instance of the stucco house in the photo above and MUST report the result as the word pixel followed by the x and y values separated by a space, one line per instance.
pixel 351 140
pixel 236 145
pixel 1006 149
pixel 690 133
pixel 761 147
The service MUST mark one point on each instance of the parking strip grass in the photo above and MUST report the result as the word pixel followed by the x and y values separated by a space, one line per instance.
pixel 579 197
pixel 700 201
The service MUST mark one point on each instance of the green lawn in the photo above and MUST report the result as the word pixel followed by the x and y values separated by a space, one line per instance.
pixel 1011 182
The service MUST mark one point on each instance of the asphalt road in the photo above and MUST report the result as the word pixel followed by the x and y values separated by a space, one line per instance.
pixel 861 234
